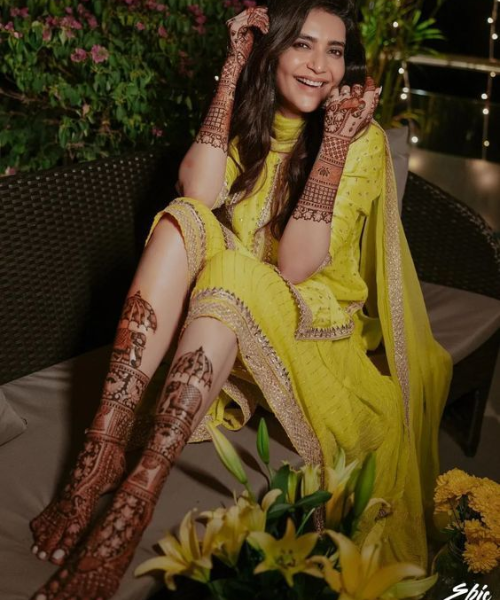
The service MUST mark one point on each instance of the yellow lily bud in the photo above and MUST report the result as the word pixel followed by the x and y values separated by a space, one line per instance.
pixel 227 454
pixel 310 479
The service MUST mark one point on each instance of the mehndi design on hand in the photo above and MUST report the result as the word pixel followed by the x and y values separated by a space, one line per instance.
pixel 215 128
pixel 346 113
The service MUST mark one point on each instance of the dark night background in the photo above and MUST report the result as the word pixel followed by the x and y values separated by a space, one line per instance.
pixel 464 23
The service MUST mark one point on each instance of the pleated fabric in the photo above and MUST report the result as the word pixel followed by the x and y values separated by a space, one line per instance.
pixel 303 349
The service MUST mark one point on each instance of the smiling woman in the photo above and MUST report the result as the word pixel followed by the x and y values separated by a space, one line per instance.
pixel 309 70
pixel 279 267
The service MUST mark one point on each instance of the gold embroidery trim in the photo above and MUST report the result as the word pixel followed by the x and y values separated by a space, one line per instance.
pixel 193 232
pixel 223 195
pixel 261 233
pixel 263 363
pixel 395 283
pixel 305 329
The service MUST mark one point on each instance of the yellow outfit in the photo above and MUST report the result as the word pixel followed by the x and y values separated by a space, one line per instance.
pixel 303 348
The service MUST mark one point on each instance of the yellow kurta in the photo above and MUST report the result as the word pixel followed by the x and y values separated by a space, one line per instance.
pixel 302 348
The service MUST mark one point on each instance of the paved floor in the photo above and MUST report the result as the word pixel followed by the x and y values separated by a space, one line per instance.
pixel 475 182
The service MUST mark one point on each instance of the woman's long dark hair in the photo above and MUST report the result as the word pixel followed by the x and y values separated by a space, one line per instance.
pixel 255 102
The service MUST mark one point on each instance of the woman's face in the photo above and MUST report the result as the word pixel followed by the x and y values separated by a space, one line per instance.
pixel 316 57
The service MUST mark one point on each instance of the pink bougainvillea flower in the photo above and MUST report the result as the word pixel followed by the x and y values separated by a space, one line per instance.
pixel 79 55
pixel 195 9
pixel 140 26
pixel 161 7
pixel 99 53
pixel 69 10
pixel 157 132
pixel 249 3
pixel 92 21
pixel 9 26
pixel 10 171
pixel 201 19
pixel 47 34
pixel 20 12
pixel 162 32
pixel 70 23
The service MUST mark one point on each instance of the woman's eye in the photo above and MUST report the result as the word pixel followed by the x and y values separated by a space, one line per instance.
pixel 337 52
pixel 300 45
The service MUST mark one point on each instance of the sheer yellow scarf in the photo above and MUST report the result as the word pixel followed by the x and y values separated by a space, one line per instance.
pixel 418 364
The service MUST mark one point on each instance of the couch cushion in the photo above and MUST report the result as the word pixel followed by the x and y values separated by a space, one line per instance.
pixel 11 424
pixel 461 321
pixel 59 403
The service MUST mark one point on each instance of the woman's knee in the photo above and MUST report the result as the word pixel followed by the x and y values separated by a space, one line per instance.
pixel 199 229
pixel 235 272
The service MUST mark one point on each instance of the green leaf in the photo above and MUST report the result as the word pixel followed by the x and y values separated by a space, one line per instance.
pixel 280 479
pixel 277 510
pixel 313 500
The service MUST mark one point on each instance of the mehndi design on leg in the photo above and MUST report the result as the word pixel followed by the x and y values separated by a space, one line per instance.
pixel 101 464
pixel 96 570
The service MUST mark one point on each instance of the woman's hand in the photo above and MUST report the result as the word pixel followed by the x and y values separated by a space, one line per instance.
pixel 241 37
pixel 350 110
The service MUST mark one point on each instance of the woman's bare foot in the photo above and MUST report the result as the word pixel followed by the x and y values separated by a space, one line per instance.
pixel 99 469
pixel 95 571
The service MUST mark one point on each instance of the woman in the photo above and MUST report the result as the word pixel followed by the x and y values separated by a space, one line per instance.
pixel 286 227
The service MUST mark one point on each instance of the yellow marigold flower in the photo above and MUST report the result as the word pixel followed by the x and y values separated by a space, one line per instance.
pixel 287 555
pixel 482 556
pixel 450 487
pixel 485 499
pixel 474 530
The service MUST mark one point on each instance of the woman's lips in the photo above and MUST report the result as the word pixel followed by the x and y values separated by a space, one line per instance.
pixel 311 88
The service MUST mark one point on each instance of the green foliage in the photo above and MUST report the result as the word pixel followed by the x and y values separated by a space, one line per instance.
pixel 82 80
pixel 85 79
pixel 389 46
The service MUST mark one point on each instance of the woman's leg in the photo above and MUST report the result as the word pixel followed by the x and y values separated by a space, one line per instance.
pixel 202 363
pixel 149 320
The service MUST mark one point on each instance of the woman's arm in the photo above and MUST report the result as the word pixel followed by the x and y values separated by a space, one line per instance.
pixel 201 174
pixel 306 239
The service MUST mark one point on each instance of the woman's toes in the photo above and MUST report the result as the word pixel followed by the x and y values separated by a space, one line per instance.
pixel 34 549
pixel 58 556
pixel 42 555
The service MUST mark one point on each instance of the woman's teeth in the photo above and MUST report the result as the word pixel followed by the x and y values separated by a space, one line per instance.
pixel 309 83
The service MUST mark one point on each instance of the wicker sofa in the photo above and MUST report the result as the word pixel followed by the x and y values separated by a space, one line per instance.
pixel 70 239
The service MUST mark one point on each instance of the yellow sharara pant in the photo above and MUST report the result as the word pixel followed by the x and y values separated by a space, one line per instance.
pixel 326 394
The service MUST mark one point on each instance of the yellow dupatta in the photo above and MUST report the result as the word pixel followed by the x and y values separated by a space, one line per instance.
pixel 419 366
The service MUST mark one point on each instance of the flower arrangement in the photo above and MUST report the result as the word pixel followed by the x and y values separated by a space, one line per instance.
pixel 472 508
pixel 270 548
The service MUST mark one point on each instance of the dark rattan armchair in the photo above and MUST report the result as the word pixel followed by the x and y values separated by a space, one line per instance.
pixel 452 246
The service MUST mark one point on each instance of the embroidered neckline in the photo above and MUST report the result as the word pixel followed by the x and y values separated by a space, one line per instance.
pixel 286 132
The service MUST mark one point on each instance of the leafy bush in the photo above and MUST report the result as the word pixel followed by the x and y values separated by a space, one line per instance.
pixel 81 80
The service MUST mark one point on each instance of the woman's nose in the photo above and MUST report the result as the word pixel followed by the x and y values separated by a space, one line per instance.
pixel 317 61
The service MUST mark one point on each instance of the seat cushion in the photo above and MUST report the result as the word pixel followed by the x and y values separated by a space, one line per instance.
pixel 461 321
pixel 58 403
pixel 11 424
